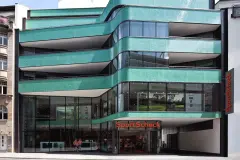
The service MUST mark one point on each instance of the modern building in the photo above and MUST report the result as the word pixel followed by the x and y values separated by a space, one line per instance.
pixel 9 21
pixel 232 23
pixel 134 77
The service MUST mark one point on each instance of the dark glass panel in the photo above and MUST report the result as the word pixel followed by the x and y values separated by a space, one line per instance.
pixel 123 97
pixel 149 59
pixel 138 97
pixel 104 105
pixel 95 108
pixel 136 59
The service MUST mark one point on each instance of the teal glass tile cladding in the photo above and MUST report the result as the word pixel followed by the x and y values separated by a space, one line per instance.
pixel 158 115
pixel 126 74
pixel 127 13
pixel 125 44
pixel 66 12
pixel 200 4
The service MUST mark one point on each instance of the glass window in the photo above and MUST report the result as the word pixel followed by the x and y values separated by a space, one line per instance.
pixel 3 87
pixel 136 59
pixel 162 30
pixel 5 41
pixel 3 113
pixel 123 97
pixel 138 97
pixel 72 111
pixel 149 59
pixel 157 97
pixel 42 113
pixel 162 59
pixel 95 108
pixel 193 97
pixel 1 40
pixel 104 106
pixel 28 113
pixel 211 97
pixel 136 29
pixel 84 108
pixel 175 97
pixel 123 60
pixel 123 30
pixel 149 29
pixel 5 65
pixel 112 101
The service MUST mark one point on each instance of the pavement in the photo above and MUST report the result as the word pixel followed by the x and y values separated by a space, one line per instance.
pixel 76 156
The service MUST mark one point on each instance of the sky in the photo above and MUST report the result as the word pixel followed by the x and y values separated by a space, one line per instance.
pixel 35 4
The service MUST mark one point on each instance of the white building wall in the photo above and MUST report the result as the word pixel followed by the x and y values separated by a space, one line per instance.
pixel 20 13
pixel 82 3
pixel 201 141
pixel 233 62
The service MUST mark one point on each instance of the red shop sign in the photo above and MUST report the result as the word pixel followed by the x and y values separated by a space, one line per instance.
pixel 137 125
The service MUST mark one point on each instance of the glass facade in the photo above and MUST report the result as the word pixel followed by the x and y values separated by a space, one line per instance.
pixel 141 29
pixel 53 123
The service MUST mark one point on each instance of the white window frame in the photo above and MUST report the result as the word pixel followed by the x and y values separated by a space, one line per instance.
pixel 3 64
pixel 2 40
pixel 2 85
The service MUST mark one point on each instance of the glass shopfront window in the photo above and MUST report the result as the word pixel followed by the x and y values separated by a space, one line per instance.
pixel 53 123
pixel 138 97
pixel 157 97
pixel 123 97
pixel 175 97
pixel 193 97
pixel 95 108
pixel 104 105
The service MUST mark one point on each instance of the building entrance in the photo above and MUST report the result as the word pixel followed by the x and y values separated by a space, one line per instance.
pixel 143 142
pixel 135 137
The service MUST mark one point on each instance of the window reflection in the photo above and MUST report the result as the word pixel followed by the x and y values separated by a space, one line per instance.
pixel 193 97
pixel 138 97
pixel 175 97
pixel 157 97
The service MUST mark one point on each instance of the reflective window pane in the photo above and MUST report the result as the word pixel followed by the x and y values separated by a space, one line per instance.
pixel 161 59
pixel 123 30
pixel 123 97
pixel 136 59
pixel 123 60
pixel 193 97
pixel 149 29
pixel 138 97
pixel 162 30
pixel 95 108
pixel 149 59
pixel 157 97
pixel 136 29
pixel 104 105
pixel 175 97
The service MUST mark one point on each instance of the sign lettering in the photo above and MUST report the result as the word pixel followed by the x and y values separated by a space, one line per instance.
pixel 137 125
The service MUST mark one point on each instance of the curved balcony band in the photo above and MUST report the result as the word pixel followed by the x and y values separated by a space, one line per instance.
pixel 194 4
pixel 128 13
pixel 125 44
pixel 156 115
pixel 123 75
